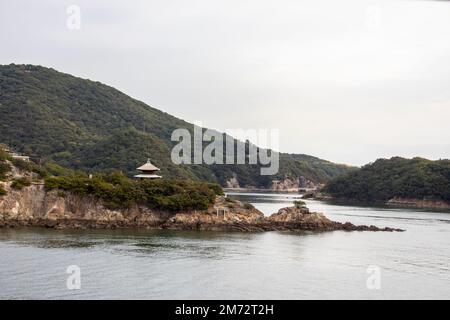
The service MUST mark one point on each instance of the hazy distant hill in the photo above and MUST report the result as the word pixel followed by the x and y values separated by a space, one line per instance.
pixel 397 177
pixel 88 125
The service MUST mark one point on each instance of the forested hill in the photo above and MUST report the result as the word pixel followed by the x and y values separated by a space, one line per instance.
pixel 87 125
pixel 386 179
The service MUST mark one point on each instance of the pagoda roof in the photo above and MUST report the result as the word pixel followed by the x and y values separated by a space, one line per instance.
pixel 148 167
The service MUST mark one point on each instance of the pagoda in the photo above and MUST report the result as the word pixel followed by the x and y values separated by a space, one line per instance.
pixel 148 171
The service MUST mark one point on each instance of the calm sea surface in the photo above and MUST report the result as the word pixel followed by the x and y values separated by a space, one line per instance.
pixel 158 264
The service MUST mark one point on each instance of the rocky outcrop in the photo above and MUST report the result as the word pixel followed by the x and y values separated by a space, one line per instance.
pixel 286 185
pixel 232 183
pixel 280 185
pixel 293 218
pixel 292 184
pixel 34 206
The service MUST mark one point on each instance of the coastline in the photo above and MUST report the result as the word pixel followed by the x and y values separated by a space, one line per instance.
pixel 396 202
pixel 237 190
pixel 35 206
pixel 418 203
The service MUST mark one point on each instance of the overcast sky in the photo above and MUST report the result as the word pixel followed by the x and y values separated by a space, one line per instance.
pixel 348 81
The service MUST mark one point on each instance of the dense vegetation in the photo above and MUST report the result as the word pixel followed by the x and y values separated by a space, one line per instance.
pixel 118 191
pixel 396 177
pixel 299 204
pixel 115 189
pixel 20 183
pixel 4 169
pixel 49 168
pixel 86 125
pixel 4 166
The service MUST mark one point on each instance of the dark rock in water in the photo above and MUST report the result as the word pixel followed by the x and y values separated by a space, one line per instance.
pixel 351 227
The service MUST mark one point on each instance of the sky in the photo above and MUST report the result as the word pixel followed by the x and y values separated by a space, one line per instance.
pixel 348 81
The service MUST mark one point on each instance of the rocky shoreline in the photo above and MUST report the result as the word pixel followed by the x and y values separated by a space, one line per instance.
pixel 397 202
pixel 34 206
pixel 84 224
pixel 418 203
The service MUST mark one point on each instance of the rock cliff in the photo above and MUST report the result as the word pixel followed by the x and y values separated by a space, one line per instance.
pixel 282 185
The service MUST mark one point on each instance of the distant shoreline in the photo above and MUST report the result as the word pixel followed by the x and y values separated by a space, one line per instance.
pixel 242 190
pixel 397 202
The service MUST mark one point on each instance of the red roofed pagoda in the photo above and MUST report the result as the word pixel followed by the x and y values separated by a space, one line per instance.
pixel 148 171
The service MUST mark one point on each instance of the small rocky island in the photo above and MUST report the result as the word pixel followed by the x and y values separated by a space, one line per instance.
pixel 33 195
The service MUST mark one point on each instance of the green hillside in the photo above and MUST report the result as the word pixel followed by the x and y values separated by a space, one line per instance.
pixel 385 179
pixel 87 125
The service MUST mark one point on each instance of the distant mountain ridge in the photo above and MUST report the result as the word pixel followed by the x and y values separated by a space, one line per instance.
pixel 87 125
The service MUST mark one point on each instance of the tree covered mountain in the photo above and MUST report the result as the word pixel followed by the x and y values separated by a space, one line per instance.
pixel 386 179
pixel 87 125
